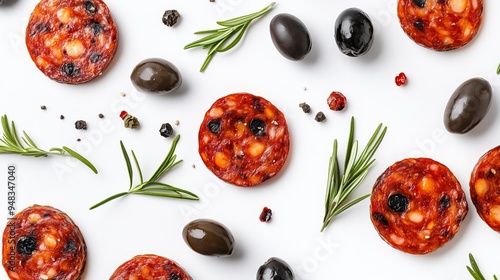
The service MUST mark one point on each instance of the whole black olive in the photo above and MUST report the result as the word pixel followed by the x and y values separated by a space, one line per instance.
pixel 353 32
pixel 156 75
pixel 290 36
pixel 468 105
pixel 208 237
pixel 275 269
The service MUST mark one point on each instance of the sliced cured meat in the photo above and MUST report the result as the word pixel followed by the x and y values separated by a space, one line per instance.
pixel 244 139
pixel 440 24
pixel 485 188
pixel 417 205
pixel 150 267
pixel 71 41
pixel 42 242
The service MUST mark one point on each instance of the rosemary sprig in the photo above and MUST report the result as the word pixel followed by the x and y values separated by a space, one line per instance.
pixel 10 144
pixel 217 40
pixel 152 186
pixel 340 186
pixel 474 269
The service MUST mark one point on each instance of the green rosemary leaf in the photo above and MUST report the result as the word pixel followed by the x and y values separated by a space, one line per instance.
pixel 246 18
pixel 236 40
pixel 80 158
pixel 498 69
pixel 152 187
pixel 215 38
pixel 129 165
pixel 474 269
pixel 340 185
pixel 138 168
pixel 108 199
pixel 11 144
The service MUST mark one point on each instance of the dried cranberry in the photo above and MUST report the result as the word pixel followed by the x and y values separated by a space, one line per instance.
pixel 400 79
pixel 336 101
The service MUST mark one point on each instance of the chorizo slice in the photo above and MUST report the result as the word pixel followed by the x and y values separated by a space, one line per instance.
pixel 71 41
pixel 485 188
pixel 417 205
pixel 440 24
pixel 150 267
pixel 244 139
pixel 42 242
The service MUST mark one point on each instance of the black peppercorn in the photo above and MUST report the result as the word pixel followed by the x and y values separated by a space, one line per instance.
pixel 166 130
pixel 320 117
pixel 81 124
pixel 170 17
pixel 305 107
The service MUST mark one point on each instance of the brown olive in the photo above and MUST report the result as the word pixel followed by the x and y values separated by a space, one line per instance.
pixel 156 75
pixel 468 105
pixel 290 36
pixel 208 237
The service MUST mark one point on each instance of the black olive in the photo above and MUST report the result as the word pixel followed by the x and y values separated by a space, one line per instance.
pixel 26 245
pixel 208 237
pixel 94 57
pixel 444 203
pixel 275 269
pixel 89 7
pixel 214 126
pixel 380 218
pixel 166 130
pixel 353 32
pixel 468 105
pixel 96 28
pixel 174 276
pixel 419 3
pixel 290 36
pixel 397 203
pixel 70 246
pixel 258 127
pixel 70 69
pixel 419 25
pixel 156 75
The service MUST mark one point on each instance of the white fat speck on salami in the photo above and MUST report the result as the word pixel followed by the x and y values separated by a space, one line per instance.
pixel 150 267
pixel 417 205
pixel 71 41
pixel 42 242
pixel 244 139
pixel 440 24
pixel 485 188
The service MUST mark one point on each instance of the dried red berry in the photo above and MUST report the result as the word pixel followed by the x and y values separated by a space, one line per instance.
pixel 336 101
pixel 123 114
pixel 266 215
pixel 400 79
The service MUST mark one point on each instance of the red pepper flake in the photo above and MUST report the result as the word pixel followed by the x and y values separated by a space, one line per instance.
pixel 266 215
pixel 123 114
pixel 336 101
pixel 400 79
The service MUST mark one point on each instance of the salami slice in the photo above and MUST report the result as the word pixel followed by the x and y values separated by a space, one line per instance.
pixel 150 267
pixel 42 242
pixel 417 205
pixel 244 139
pixel 440 24
pixel 485 188
pixel 71 41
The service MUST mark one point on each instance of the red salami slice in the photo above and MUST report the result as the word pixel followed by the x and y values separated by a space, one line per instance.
pixel 244 139
pixel 42 242
pixel 71 41
pixel 485 188
pixel 150 267
pixel 440 24
pixel 417 205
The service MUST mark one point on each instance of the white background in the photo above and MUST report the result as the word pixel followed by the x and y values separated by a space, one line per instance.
pixel 350 248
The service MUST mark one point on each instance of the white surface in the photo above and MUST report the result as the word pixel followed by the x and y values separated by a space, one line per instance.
pixel 350 248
